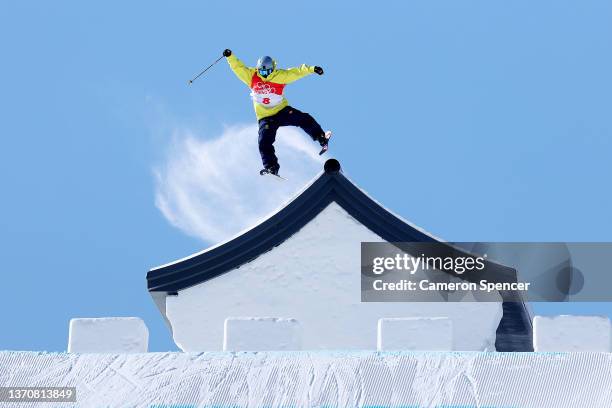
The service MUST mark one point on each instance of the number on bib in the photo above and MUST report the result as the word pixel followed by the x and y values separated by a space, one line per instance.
pixel 266 101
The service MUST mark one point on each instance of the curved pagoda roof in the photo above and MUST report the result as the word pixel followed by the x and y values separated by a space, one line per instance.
pixel 513 334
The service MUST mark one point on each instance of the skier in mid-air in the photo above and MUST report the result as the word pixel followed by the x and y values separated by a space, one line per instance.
pixel 267 82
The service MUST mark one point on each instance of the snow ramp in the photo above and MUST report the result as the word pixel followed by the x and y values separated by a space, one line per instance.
pixel 317 379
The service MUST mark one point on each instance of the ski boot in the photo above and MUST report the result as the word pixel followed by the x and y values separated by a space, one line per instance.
pixel 324 142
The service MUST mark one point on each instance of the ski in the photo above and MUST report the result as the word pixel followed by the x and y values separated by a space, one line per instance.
pixel 325 146
pixel 266 172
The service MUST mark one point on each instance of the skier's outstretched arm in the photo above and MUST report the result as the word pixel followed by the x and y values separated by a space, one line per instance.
pixel 289 75
pixel 243 72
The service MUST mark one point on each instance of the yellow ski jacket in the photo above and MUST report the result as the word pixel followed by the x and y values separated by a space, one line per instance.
pixel 267 93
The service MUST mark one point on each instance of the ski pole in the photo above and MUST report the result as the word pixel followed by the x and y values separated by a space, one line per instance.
pixel 205 69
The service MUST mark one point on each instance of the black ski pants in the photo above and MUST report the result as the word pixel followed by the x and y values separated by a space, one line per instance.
pixel 287 116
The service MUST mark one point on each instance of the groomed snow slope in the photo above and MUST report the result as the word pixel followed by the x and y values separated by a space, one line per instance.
pixel 301 379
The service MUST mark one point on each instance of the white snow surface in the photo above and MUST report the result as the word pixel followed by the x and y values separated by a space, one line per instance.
pixel 309 379
pixel 572 333
pixel 108 335
pixel 261 334
pixel 408 334
pixel 314 276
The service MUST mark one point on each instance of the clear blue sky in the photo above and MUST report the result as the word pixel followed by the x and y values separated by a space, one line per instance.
pixel 477 120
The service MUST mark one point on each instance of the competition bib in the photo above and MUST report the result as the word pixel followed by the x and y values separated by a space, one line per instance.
pixel 268 94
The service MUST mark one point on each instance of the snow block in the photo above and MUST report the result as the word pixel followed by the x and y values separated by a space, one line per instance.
pixel 415 334
pixel 261 334
pixel 108 335
pixel 571 333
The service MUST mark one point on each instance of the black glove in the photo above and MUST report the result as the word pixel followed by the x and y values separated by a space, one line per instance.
pixel 318 70
pixel 227 52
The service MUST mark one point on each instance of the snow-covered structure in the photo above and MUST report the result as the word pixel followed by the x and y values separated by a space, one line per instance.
pixel 572 333
pixel 108 335
pixel 405 333
pixel 303 263
pixel 261 334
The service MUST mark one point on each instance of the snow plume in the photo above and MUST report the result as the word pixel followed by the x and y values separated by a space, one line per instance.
pixel 211 188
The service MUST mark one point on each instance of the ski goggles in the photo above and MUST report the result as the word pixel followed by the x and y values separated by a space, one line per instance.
pixel 264 72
